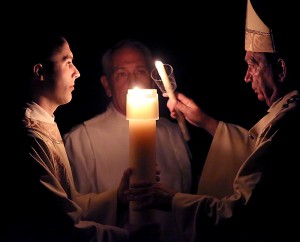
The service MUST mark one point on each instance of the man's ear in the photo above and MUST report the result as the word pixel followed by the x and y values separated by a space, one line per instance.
pixel 38 71
pixel 282 70
pixel 106 86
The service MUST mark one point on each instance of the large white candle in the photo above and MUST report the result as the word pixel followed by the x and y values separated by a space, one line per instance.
pixel 142 112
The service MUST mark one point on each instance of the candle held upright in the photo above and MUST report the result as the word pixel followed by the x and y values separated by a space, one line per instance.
pixel 169 88
pixel 142 111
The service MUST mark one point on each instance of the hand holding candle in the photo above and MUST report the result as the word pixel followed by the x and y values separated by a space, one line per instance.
pixel 164 78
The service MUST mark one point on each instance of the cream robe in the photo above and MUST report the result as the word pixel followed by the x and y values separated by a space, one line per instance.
pixel 232 170
pixel 230 147
pixel 49 151
pixel 98 150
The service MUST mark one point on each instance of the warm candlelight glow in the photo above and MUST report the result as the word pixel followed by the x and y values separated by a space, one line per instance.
pixel 169 89
pixel 142 113
pixel 164 77
pixel 142 104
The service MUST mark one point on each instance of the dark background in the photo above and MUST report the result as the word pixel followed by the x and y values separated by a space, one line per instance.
pixel 203 41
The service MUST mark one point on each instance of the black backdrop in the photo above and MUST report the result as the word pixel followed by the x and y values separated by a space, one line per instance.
pixel 204 42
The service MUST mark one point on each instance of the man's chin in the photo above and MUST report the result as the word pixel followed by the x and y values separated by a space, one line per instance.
pixel 261 97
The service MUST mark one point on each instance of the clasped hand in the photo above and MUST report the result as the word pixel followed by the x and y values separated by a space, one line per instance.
pixel 150 195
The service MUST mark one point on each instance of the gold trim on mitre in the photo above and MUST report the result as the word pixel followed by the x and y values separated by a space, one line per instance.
pixel 258 36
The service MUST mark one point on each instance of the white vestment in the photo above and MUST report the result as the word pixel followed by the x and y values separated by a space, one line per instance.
pixel 98 150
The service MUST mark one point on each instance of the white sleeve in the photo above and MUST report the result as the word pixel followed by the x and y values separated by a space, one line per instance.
pixel 81 156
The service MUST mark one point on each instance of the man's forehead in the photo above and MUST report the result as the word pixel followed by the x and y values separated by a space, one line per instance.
pixel 254 56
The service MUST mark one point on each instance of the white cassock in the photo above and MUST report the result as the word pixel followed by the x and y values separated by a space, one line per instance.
pixel 98 150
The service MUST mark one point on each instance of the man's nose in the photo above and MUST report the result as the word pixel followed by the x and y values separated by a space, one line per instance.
pixel 132 79
pixel 76 73
pixel 247 77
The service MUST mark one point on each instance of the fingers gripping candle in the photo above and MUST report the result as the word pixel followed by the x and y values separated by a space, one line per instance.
pixel 142 112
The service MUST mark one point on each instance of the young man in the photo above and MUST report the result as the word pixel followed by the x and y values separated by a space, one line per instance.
pixel 52 209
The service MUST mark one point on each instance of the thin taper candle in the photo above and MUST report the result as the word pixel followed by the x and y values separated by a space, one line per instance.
pixel 168 87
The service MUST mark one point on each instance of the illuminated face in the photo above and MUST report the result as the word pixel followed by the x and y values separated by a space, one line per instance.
pixel 60 79
pixel 129 71
pixel 260 75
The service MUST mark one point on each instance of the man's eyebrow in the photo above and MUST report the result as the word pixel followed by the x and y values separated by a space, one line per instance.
pixel 251 60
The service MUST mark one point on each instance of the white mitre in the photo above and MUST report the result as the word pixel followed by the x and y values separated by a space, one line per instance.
pixel 258 36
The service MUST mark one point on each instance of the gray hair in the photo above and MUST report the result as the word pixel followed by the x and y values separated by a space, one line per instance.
pixel 127 43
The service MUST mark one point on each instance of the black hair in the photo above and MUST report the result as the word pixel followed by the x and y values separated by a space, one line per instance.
pixel 35 48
